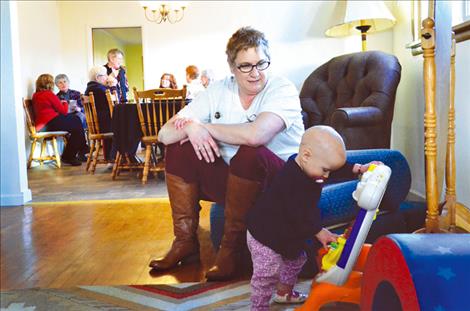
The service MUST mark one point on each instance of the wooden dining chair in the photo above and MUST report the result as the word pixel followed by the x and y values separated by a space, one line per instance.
pixel 154 108
pixel 95 135
pixel 41 137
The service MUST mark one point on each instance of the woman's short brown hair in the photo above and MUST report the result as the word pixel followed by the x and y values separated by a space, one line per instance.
pixel 192 71
pixel 45 82
pixel 243 39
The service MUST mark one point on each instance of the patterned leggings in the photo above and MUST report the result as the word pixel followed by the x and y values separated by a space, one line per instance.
pixel 269 268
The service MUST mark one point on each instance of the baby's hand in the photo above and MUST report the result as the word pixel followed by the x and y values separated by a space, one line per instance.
pixel 362 168
pixel 325 237
pixel 181 122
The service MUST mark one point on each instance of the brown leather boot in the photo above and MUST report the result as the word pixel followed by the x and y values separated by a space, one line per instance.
pixel 240 197
pixel 184 198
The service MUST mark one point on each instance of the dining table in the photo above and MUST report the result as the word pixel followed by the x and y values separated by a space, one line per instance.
pixel 126 128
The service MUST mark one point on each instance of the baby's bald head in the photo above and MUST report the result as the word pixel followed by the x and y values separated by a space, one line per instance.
pixel 321 148
pixel 322 138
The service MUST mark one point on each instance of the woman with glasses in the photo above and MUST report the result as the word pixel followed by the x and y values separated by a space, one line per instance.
pixel 65 93
pixel 225 146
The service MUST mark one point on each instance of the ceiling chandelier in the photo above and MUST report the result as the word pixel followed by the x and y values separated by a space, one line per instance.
pixel 164 11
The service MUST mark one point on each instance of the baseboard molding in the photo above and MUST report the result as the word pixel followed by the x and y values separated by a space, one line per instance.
pixel 418 194
pixel 15 199
pixel 164 200
pixel 102 202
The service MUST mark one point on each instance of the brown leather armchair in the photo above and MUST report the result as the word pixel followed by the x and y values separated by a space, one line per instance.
pixel 355 94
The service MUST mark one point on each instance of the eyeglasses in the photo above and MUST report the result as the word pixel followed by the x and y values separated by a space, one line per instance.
pixel 260 66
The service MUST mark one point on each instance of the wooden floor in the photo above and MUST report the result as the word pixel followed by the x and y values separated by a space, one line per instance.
pixel 83 229
pixel 71 183
pixel 97 243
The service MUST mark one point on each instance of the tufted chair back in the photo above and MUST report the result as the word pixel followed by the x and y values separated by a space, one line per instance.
pixel 355 94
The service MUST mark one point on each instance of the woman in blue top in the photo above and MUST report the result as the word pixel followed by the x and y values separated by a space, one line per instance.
pixel 65 93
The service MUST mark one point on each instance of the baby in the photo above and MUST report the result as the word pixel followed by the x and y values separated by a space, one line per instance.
pixel 286 216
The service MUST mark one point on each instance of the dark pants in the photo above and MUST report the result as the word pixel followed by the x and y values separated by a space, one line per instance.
pixel 104 121
pixel 76 141
pixel 252 163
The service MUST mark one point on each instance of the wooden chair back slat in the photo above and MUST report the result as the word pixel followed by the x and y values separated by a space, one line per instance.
pixel 94 112
pixel 91 114
pixel 155 111
pixel 148 124
pixel 29 113
pixel 112 99
pixel 155 107
pixel 160 115
pixel 167 108
pixel 110 102
pixel 88 115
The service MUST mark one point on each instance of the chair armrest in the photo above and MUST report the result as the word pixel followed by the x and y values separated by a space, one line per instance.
pixel 357 116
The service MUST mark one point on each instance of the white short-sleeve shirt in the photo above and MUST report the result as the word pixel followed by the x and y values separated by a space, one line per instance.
pixel 220 104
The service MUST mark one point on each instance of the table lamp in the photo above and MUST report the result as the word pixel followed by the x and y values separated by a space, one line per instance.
pixel 360 16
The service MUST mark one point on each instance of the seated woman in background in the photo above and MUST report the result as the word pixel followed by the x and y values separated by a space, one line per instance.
pixel 207 77
pixel 50 114
pixel 62 82
pixel 168 81
pixel 194 84
pixel 98 81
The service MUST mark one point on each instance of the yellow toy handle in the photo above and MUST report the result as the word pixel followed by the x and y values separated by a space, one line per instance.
pixel 331 258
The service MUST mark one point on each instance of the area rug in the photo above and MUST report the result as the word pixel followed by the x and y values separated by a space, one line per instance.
pixel 186 296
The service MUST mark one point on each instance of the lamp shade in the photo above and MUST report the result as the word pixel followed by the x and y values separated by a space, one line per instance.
pixel 350 14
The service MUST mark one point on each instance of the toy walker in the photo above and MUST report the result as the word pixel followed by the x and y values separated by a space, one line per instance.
pixel 342 266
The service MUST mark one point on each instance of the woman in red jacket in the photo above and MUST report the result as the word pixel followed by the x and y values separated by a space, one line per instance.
pixel 51 115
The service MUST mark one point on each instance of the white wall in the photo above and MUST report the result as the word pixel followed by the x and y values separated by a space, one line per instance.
pixel 462 121
pixel 408 127
pixel 40 41
pixel 295 31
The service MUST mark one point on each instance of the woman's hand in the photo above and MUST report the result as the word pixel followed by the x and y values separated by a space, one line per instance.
pixel 111 81
pixel 181 122
pixel 325 237
pixel 203 143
